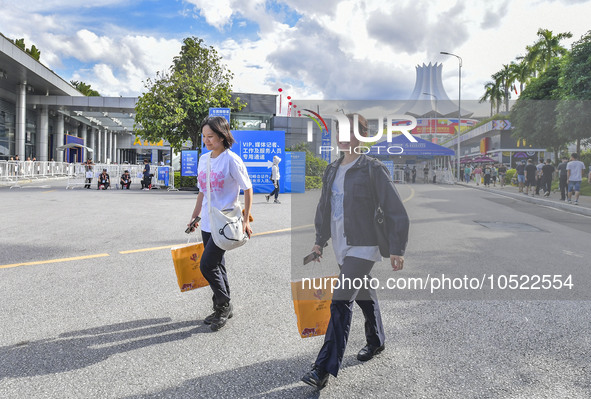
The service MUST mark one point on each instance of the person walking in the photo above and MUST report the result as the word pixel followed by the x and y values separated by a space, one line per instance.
pixel 275 176
pixel 574 170
pixel 426 174
pixel 547 172
pixel 520 169
pixel 413 174
pixel 343 215
pixel 146 173
pixel 477 173
pixel 562 178
pixel 487 175
pixel 539 167
pixel 494 175
pixel 228 176
pixel 502 170
pixel 530 177
pixel 467 173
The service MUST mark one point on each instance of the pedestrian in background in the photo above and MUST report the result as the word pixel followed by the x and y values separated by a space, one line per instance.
pixel 146 173
pixel 494 174
pixel 539 167
pixel 502 172
pixel 574 170
pixel 413 174
pixel 562 178
pixel 275 176
pixel 531 172
pixel 426 174
pixel 477 174
pixel 487 175
pixel 467 173
pixel 520 169
pixel 547 172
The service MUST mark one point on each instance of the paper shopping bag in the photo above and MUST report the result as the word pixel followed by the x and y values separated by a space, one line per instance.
pixel 311 301
pixel 186 260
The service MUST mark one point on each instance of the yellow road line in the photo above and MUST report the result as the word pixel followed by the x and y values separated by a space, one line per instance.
pixel 132 251
pixel 43 262
pixel 49 191
pixel 412 194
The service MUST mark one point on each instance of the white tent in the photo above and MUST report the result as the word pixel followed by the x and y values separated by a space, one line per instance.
pixel 73 145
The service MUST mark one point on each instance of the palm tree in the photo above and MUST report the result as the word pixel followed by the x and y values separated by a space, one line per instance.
pixel 504 80
pixel 493 94
pixel 547 47
pixel 520 72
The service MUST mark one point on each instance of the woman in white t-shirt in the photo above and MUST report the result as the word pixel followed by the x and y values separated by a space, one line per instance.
pixel 227 177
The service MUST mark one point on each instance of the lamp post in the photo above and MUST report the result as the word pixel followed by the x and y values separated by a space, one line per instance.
pixel 434 96
pixel 459 107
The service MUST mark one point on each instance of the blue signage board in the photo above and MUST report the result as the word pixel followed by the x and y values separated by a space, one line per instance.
pixel 163 174
pixel 326 143
pixel 390 166
pixel 295 171
pixel 225 112
pixel 189 160
pixel 257 149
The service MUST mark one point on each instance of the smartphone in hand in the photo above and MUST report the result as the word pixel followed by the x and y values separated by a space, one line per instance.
pixel 192 225
pixel 309 258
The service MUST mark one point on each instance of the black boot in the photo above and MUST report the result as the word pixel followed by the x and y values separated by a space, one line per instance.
pixel 316 377
pixel 210 318
pixel 221 315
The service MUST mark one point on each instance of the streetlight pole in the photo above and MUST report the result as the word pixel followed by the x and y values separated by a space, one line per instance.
pixel 459 107
pixel 435 97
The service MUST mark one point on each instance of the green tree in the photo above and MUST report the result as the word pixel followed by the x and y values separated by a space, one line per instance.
pixel 521 73
pixel 504 79
pixel 84 88
pixel 493 94
pixel 534 114
pixel 33 51
pixel 176 102
pixel 574 110
pixel 547 47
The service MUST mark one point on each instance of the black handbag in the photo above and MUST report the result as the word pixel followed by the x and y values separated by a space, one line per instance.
pixel 379 219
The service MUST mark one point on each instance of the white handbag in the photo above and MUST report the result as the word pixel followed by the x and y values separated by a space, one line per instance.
pixel 226 225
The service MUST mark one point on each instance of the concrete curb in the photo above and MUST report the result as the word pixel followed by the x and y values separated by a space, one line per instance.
pixel 578 209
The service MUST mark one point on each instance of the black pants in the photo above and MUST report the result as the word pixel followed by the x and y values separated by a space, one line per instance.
pixel 538 184
pixel 105 185
pixel 275 191
pixel 547 183
pixel 341 313
pixel 563 187
pixel 487 180
pixel 213 268
pixel 88 182
pixel 125 185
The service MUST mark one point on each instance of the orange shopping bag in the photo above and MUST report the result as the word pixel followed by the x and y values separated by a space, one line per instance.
pixel 186 260
pixel 311 301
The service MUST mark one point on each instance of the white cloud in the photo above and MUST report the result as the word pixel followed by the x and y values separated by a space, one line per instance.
pixel 217 13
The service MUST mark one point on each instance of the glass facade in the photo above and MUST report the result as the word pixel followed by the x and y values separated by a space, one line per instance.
pixel 7 130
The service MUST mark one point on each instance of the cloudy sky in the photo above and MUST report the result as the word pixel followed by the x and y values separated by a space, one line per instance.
pixel 320 49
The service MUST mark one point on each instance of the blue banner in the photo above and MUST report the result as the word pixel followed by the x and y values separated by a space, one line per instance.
pixel 189 161
pixel 326 143
pixel 257 149
pixel 390 166
pixel 163 174
pixel 225 112
pixel 295 170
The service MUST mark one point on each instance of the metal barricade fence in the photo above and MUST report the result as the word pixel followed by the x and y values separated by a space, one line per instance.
pixel 11 172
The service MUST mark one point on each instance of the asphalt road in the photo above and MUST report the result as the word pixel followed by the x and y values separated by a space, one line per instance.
pixel 113 323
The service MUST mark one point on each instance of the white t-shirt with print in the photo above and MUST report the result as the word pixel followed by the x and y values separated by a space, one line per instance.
pixel 337 224
pixel 228 175
pixel 576 170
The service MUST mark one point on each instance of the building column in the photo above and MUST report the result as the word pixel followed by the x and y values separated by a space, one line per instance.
pixel 105 156
pixel 91 132
pixel 115 150
pixel 98 153
pixel 43 135
pixel 59 137
pixel 21 120
pixel 83 134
